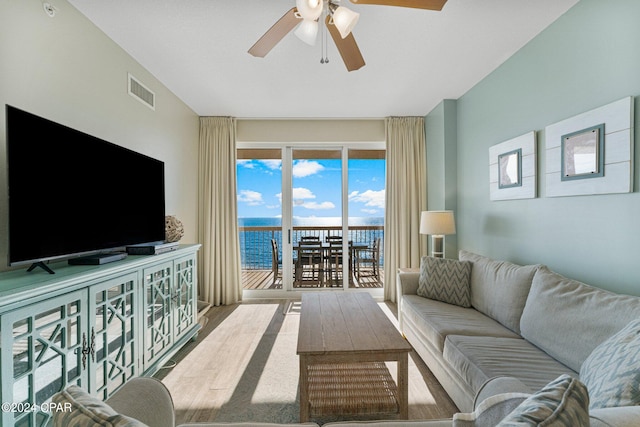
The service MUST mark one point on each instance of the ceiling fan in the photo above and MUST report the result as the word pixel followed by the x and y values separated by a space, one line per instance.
pixel 338 20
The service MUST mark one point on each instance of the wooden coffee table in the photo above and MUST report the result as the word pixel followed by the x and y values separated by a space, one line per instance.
pixel 343 341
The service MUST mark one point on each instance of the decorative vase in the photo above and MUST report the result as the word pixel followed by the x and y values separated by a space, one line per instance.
pixel 173 228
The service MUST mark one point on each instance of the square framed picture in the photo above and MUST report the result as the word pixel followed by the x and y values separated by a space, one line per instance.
pixel 582 154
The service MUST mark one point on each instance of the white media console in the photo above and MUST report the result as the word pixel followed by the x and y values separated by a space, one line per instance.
pixel 97 326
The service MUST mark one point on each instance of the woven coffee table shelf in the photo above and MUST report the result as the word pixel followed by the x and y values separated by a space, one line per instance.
pixel 351 389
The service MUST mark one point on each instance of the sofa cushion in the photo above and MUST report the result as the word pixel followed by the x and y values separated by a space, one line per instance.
pixel 435 320
pixel 477 359
pixel 568 319
pixel 445 280
pixel 88 411
pixel 563 402
pixel 499 289
pixel 612 370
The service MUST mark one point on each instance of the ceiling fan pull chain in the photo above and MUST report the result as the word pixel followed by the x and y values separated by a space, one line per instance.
pixel 322 45
pixel 325 59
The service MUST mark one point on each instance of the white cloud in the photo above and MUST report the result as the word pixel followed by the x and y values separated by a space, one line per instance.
pixel 245 164
pixel 272 164
pixel 370 198
pixel 299 194
pixel 304 168
pixel 370 211
pixel 316 205
pixel 303 193
pixel 250 197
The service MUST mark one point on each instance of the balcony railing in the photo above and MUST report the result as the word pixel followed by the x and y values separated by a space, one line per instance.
pixel 255 242
pixel 256 252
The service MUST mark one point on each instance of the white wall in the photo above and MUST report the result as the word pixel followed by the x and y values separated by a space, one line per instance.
pixel 66 70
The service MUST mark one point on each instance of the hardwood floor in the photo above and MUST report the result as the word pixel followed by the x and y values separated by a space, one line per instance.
pixel 244 367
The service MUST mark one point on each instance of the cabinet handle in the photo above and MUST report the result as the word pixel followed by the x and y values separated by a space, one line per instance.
pixel 85 350
pixel 92 347
pixel 88 350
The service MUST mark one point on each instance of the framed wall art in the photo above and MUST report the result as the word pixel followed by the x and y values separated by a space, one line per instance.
pixel 512 168
pixel 583 154
pixel 591 153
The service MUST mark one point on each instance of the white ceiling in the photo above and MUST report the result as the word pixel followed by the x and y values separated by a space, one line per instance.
pixel 414 58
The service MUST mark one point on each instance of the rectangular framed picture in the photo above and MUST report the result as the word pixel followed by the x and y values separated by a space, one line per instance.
pixel 510 169
pixel 592 152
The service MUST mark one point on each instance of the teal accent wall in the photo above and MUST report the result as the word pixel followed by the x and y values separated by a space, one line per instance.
pixel 441 136
pixel 588 58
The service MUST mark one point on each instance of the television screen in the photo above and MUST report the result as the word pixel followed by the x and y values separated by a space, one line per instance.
pixel 71 193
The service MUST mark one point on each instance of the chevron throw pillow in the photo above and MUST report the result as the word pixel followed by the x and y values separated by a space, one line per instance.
pixel 564 402
pixel 445 280
pixel 612 370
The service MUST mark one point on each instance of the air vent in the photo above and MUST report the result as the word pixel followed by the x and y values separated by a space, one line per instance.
pixel 141 93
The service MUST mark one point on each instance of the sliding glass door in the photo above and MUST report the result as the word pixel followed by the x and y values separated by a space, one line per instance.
pixel 317 218
pixel 311 218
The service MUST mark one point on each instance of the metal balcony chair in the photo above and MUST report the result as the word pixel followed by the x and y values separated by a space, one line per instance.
pixel 368 261
pixel 334 262
pixel 309 263
pixel 276 262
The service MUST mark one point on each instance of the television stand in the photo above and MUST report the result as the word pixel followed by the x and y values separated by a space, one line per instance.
pixel 42 265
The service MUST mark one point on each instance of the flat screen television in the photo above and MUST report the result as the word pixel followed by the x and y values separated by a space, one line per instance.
pixel 72 194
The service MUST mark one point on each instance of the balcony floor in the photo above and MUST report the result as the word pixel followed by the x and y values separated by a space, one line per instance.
pixel 263 279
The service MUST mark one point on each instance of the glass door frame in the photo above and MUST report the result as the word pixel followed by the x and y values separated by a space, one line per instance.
pixel 288 291
pixel 287 215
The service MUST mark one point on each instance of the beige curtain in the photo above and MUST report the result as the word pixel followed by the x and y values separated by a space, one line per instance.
pixel 219 258
pixel 406 198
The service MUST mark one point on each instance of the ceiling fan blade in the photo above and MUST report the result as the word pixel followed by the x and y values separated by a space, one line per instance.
pixel 347 47
pixel 273 36
pixel 416 4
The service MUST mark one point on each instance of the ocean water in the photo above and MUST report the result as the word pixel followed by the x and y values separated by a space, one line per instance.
pixel 310 221
pixel 255 244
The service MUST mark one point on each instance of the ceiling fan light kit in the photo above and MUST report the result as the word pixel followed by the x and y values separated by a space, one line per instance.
pixel 344 19
pixel 339 21
pixel 307 31
pixel 310 10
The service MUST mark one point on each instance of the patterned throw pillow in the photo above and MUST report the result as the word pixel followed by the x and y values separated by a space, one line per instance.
pixel 445 280
pixel 612 370
pixel 88 411
pixel 562 402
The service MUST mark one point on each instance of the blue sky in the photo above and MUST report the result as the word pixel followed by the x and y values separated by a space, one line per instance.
pixel 316 188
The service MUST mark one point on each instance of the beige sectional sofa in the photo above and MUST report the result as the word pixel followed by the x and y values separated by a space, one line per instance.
pixel 526 322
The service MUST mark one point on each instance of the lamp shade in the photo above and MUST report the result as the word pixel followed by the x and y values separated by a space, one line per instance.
pixel 307 31
pixel 309 9
pixel 437 223
pixel 345 19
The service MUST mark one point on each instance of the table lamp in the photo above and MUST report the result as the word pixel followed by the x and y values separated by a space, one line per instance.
pixel 437 224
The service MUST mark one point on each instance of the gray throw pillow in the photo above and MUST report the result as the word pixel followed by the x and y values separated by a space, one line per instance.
pixel 80 409
pixel 612 370
pixel 562 402
pixel 445 280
